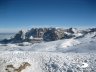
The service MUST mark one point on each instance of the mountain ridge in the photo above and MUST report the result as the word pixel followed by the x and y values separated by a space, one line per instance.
pixel 48 34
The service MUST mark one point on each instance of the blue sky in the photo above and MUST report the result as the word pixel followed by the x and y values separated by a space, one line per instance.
pixel 21 14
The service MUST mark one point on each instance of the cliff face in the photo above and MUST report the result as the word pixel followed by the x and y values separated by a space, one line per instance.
pixel 36 32
pixel 47 34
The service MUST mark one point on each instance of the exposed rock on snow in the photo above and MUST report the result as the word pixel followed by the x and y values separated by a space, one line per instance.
pixel 50 35
pixel 11 68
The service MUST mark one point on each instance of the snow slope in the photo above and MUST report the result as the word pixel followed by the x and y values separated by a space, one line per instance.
pixel 67 55
pixel 67 45
pixel 48 62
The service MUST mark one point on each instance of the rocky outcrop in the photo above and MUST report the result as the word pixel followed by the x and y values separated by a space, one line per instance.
pixel 11 68
pixel 53 34
pixel 18 37
pixel 36 32
pixel 50 35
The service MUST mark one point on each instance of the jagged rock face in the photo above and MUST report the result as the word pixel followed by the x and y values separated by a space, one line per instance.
pixel 18 37
pixel 41 32
pixel 70 30
pixel 36 32
pixel 53 34
pixel 33 32
pixel 50 35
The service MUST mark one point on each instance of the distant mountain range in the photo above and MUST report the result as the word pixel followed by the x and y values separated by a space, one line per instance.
pixel 36 35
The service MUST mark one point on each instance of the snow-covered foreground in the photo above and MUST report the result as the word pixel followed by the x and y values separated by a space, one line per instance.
pixel 57 56
pixel 67 55
pixel 46 62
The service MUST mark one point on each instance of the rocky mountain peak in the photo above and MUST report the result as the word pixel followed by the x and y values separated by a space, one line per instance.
pixel 49 34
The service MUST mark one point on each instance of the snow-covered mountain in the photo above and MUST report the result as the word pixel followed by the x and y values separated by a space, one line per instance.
pixel 74 52
pixel 48 34
pixel 78 43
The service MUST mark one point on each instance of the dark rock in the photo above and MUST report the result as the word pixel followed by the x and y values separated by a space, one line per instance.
pixel 5 41
pixel 18 37
pixel 70 30
pixel 50 35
